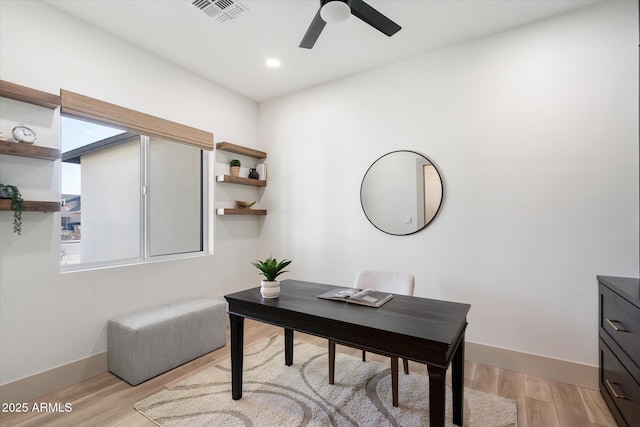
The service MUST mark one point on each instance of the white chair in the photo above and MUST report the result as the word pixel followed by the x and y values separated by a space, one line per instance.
pixel 384 281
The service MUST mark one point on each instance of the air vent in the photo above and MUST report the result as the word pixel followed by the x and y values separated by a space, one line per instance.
pixel 220 10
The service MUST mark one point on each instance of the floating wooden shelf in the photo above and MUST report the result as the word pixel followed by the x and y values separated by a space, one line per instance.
pixel 243 211
pixel 32 206
pixel 27 94
pixel 250 152
pixel 42 99
pixel 28 150
pixel 238 149
pixel 240 180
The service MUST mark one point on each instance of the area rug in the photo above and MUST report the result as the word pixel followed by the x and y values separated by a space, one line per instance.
pixel 299 395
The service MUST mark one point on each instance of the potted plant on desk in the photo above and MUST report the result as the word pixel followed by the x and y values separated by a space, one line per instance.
pixel 271 268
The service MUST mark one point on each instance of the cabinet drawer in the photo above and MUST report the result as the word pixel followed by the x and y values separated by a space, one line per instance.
pixel 618 383
pixel 621 320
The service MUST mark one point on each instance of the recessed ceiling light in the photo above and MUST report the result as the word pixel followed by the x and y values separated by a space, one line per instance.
pixel 273 63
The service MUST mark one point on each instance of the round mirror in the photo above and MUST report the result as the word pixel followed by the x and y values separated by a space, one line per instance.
pixel 401 192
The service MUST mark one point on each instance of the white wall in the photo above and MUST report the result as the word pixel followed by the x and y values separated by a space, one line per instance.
pixel 535 132
pixel 46 318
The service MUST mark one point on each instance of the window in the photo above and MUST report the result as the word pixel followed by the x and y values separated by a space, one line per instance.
pixel 129 197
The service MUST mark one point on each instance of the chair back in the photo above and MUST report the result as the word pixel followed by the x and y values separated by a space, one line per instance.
pixel 386 281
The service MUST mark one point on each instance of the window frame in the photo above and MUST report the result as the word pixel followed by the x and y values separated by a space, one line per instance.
pixel 89 109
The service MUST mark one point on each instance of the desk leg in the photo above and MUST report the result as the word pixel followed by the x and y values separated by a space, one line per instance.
pixel 332 360
pixel 237 344
pixel 394 381
pixel 288 346
pixel 457 382
pixel 436 395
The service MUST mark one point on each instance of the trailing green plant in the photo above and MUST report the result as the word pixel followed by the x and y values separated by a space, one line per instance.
pixel 234 162
pixel 271 267
pixel 17 204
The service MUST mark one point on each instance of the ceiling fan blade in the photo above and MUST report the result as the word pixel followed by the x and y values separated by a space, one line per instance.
pixel 361 10
pixel 312 34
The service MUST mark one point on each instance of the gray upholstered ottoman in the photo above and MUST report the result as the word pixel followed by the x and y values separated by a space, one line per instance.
pixel 147 343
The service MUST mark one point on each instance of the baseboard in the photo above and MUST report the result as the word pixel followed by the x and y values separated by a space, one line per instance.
pixel 38 385
pixel 531 364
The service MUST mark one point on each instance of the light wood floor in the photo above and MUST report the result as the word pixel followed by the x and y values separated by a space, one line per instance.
pixel 106 400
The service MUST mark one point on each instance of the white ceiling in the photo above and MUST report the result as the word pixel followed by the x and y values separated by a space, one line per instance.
pixel 233 53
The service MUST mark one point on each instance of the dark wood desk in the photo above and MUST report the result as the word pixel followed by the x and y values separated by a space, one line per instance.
pixel 423 330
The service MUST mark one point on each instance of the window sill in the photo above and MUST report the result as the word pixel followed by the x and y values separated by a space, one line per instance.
pixel 73 268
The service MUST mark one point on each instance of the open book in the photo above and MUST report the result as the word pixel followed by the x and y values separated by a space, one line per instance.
pixel 369 297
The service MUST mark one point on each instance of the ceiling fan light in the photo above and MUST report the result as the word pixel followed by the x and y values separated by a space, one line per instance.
pixel 335 11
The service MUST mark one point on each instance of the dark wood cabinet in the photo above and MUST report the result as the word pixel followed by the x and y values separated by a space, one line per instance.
pixel 619 319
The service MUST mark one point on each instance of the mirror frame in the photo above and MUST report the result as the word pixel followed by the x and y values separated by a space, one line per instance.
pixel 442 195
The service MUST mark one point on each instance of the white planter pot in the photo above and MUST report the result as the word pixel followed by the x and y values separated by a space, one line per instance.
pixel 270 289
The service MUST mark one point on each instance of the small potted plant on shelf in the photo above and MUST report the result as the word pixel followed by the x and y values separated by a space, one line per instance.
pixel 235 167
pixel 271 268
pixel 17 204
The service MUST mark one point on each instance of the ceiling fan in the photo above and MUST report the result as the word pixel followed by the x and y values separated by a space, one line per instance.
pixel 339 11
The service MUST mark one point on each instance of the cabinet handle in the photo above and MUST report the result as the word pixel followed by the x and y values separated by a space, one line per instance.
pixel 616 327
pixel 610 385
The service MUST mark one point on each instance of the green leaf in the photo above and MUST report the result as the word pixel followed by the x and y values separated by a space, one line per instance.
pixel 271 268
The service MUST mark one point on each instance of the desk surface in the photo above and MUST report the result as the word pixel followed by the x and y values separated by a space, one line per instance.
pixel 429 329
